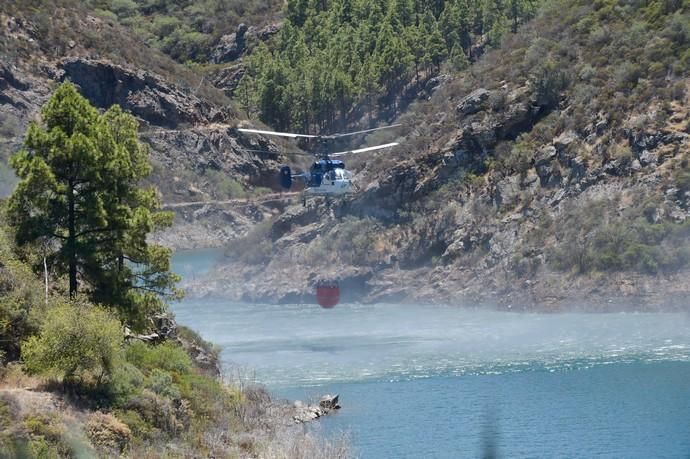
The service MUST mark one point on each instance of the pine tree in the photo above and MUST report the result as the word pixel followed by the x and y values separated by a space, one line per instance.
pixel 367 82
pixel 79 195
pixel 436 45
pixel 297 11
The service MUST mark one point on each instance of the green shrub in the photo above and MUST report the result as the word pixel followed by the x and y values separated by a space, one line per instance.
pixel 108 433
pixel 191 336
pixel 167 356
pixel 138 426
pixel 47 436
pixel 549 81
pixel 21 300
pixel 682 179
pixel 156 411
pixel 623 244
pixel 225 186
pixel 44 426
pixel 521 157
pixel 125 381
pixel 208 398
pixel 161 383
pixel 123 8
pixel 78 342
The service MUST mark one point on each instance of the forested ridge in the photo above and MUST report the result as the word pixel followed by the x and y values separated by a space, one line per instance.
pixel 332 62
pixel 337 61
pixel 554 167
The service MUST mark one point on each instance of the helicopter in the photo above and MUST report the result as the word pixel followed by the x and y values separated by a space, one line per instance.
pixel 326 176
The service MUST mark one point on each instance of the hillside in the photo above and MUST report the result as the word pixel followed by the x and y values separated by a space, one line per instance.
pixel 183 118
pixel 544 164
pixel 92 364
pixel 552 173
pixel 162 400
pixel 575 117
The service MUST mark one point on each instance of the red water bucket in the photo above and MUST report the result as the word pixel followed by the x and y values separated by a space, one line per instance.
pixel 327 295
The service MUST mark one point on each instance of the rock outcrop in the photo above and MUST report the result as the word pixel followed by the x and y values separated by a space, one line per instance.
pixel 449 228
pixel 233 46
pixel 306 413
pixel 143 94
pixel 163 327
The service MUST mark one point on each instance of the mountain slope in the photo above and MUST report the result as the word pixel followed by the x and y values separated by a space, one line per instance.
pixel 184 119
pixel 553 172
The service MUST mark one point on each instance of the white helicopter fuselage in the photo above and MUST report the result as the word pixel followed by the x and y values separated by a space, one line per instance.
pixel 336 182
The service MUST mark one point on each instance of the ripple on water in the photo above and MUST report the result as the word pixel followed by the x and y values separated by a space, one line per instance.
pixel 303 344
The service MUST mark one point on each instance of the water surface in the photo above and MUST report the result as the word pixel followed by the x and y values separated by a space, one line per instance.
pixel 445 382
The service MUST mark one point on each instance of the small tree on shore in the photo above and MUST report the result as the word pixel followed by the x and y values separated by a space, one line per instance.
pixel 79 194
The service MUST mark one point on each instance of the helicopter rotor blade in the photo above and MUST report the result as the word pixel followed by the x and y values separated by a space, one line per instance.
pixel 363 150
pixel 280 134
pixel 347 134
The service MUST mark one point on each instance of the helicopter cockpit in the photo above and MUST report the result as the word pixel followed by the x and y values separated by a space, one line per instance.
pixel 324 165
pixel 326 170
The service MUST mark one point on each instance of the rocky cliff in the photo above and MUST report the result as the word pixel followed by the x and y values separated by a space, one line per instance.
pixel 186 121
pixel 553 172
pixel 552 175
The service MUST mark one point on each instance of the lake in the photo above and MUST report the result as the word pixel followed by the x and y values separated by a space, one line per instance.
pixel 420 381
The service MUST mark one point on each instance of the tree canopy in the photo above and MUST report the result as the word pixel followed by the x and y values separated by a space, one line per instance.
pixel 331 56
pixel 79 198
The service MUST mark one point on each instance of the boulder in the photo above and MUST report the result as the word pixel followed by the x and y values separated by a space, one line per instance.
pixel 508 191
pixel 544 165
pixel 474 102
pixel 329 402
pixel 435 83
pixel 578 169
pixel 563 141
pixel 618 168
pixel 306 413
pixel 563 145
pixel 266 32
pixel 9 79
pixel 648 158
pixel 230 47
pixel 229 78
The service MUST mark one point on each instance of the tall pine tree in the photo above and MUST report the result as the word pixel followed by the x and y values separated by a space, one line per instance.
pixel 79 195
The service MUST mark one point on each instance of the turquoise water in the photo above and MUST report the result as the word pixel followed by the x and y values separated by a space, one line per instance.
pixel 439 381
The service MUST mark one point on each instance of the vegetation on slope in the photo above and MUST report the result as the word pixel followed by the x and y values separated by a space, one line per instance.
pixel 186 30
pixel 609 74
pixel 44 30
pixel 332 57
pixel 565 149
pixel 76 273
